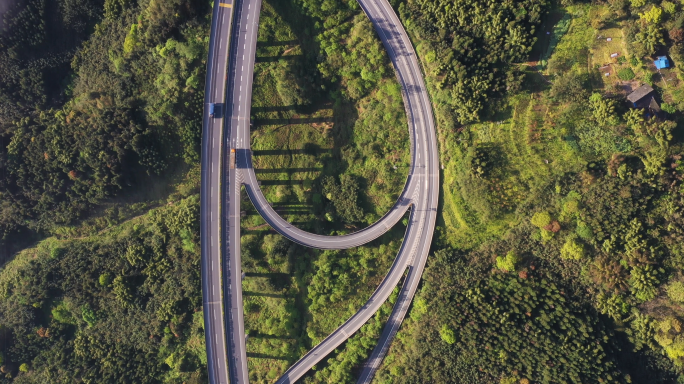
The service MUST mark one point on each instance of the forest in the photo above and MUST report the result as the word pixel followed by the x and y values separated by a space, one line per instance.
pixel 96 98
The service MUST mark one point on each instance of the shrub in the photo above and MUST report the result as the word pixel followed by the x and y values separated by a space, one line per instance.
pixel 648 78
pixel 626 74
pixel 669 108
pixel 653 15
pixel 643 281
pixel 572 250
pixel 507 263
pixel 24 368
pixel 57 252
pixel 584 231
pixel 105 279
pixel 447 334
pixel 669 8
pixel 675 291
pixel 541 219
pixel 88 315
pixel 637 3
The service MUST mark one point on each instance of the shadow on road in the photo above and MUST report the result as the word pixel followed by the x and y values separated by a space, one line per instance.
pixel 271 59
pixel 265 356
pixel 294 121
pixel 287 170
pixel 269 275
pixel 277 43
pixel 309 149
pixel 261 294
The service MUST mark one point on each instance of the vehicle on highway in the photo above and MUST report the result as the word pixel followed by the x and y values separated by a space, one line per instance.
pixel 214 109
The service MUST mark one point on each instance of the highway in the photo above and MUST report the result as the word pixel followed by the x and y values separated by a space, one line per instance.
pixel 420 194
pixel 210 196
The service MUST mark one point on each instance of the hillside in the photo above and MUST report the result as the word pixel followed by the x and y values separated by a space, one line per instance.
pixel 559 258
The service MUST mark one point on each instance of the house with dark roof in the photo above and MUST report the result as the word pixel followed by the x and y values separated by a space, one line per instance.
pixel 639 96
pixel 643 98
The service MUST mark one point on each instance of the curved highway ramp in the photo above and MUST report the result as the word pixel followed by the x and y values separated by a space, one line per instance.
pixel 229 165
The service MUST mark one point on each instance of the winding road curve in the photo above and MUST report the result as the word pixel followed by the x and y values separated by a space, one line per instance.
pixel 420 194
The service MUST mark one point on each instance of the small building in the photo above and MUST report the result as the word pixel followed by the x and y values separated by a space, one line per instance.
pixel 639 96
pixel 662 62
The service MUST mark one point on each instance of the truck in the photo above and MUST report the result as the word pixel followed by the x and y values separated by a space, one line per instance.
pixel 214 109
pixel 232 158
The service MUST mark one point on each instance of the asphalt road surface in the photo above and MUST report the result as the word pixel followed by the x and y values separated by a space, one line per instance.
pixel 210 200
pixel 420 194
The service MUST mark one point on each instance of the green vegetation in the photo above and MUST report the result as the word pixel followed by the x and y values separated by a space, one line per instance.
pixel 524 326
pixel 93 106
pixel 473 48
pixel 95 103
pixel 61 325
pixel 626 74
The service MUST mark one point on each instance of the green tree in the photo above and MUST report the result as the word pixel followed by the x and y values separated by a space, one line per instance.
pixel 132 40
pixel 105 279
pixel 62 314
pixel 650 37
pixel 603 109
pixel 508 263
pixel 572 250
pixel 88 315
pixel 635 118
pixel 612 305
pixel 344 197
pixel 653 15
pixel 675 291
pixel 447 334
pixel 669 8
pixel 644 281
pixel 541 219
